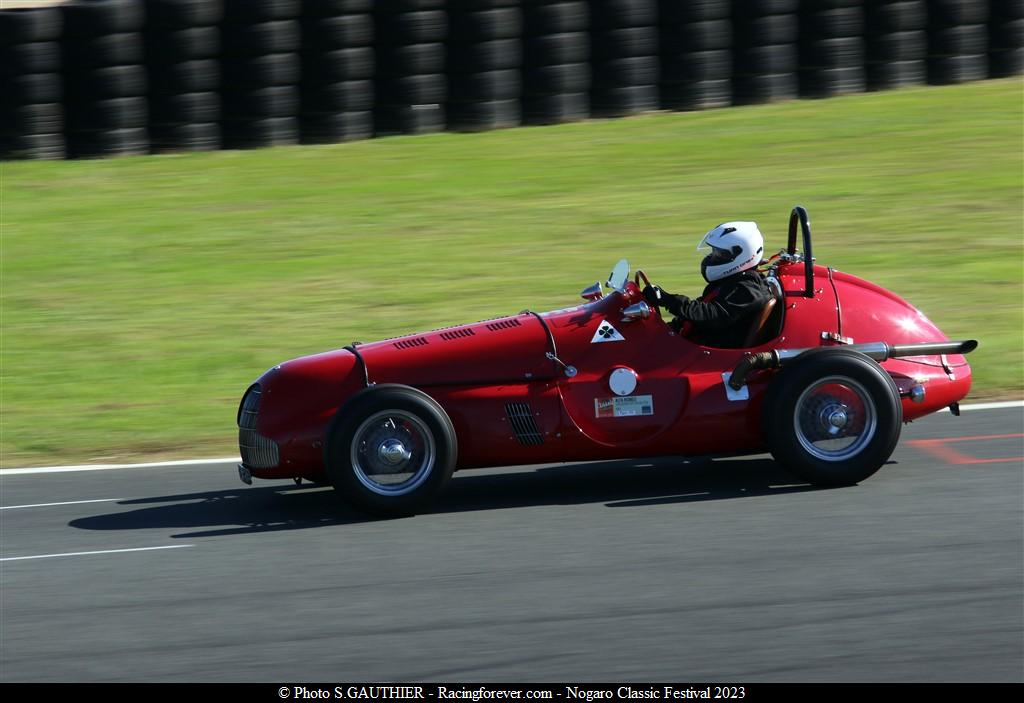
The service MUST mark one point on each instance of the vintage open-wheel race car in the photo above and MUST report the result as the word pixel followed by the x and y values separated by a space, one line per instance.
pixel 831 368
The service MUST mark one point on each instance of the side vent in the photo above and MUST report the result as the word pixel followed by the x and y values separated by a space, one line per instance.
pixel 411 343
pixel 456 334
pixel 520 417
pixel 504 325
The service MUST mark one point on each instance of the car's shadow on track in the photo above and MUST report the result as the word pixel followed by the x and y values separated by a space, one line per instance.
pixel 634 483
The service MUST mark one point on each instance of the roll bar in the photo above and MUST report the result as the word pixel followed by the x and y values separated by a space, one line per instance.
pixel 799 214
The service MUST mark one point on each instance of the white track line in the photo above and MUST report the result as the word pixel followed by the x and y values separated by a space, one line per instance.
pixel 69 502
pixel 103 551
pixel 234 459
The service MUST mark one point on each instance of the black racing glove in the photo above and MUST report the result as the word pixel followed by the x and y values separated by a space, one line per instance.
pixel 655 296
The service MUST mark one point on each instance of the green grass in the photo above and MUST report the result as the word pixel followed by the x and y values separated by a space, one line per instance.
pixel 140 296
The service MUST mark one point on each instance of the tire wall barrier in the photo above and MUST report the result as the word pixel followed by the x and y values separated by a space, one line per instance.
pixel 98 78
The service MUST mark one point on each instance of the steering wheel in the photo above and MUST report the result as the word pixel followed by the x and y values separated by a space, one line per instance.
pixel 641 276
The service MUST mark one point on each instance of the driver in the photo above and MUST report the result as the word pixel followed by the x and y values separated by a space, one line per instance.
pixel 735 293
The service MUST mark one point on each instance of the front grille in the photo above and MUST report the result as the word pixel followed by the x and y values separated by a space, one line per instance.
pixel 520 416
pixel 258 452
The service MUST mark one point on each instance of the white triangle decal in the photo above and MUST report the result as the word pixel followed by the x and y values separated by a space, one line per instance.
pixel 607 333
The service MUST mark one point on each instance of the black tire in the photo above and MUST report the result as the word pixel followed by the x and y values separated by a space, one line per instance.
pixel 484 115
pixel 333 127
pixel 886 75
pixel 618 101
pixel 114 113
pixel 188 136
pixel 32 146
pixel 832 417
pixel 421 27
pixel 259 133
pixel 487 86
pixel 1002 10
pixel 623 43
pixel 1006 35
pixel 832 53
pixel 343 96
pixel 636 70
pixel 833 23
pixel 260 10
pixel 98 17
pixel 555 18
pixel 946 13
pixel 198 76
pixel 385 427
pixel 356 63
pixel 828 82
pixel 30 24
pixel 32 88
pixel 121 49
pixel 182 45
pixel 1009 62
pixel 957 69
pixel 697 95
pixel 185 108
pixel 410 119
pixel 333 8
pixel 553 49
pixel 768 7
pixel 767 30
pixel 754 89
pixel 701 66
pixel 675 12
pixel 37 57
pixel 113 142
pixel 278 101
pixel 485 56
pixel 281 36
pixel 486 25
pixel 958 41
pixel 182 14
pixel 696 36
pixel 557 108
pixel 425 89
pixel 897 46
pixel 411 59
pixel 885 17
pixel 338 32
pixel 614 14
pixel 45 118
pixel 782 58
pixel 106 82
pixel 261 71
pixel 550 80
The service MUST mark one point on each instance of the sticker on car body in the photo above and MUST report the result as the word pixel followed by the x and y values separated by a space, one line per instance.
pixel 632 406
pixel 606 333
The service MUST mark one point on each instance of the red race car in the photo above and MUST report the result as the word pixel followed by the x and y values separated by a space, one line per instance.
pixel 831 368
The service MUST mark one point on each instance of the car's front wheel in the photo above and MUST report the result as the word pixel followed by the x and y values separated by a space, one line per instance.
pixel 390 450
pixel 833 417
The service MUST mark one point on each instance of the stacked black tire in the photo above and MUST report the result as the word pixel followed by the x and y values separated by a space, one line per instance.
pixel 764 50
pixel 338 63
pixel 411 86
pixel 31 113
pixel 831 47
pixel 484 61
pixel 260 73
pixel 556 61
pixel 1006 38
pixel 624 57
pixel 696 54
pixel 182 40
pixel 105 84
pixel 957 41
pixel 895 43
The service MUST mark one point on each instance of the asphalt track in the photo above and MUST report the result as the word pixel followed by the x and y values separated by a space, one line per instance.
pixel 723 571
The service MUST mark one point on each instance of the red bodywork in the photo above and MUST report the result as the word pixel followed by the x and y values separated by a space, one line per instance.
pixel 488 375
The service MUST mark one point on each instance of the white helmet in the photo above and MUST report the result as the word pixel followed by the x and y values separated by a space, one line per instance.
pixel 735 247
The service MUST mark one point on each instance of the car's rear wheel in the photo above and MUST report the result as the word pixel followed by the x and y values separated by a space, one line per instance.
pixel 833 417
pixel 390 450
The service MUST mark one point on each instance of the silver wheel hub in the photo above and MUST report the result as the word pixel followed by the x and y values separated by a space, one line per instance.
pixel 835 419
pixel 392 452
